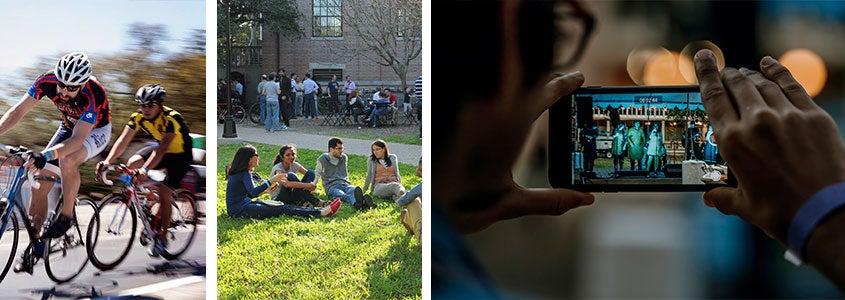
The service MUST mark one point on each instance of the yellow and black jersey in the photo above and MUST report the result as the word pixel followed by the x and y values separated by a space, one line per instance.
pixel 168 120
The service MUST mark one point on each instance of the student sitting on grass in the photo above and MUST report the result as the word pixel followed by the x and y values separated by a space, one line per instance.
pixel 294 190
pixel 411 216
pixel 332 169
pixel 240 190
pixel 383 178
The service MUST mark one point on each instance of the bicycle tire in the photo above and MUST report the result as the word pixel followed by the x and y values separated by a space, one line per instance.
pixel 183 224
pixel 239 114
pixel 12 231
pixel 63 259
pixel 255 114
pixel 112 211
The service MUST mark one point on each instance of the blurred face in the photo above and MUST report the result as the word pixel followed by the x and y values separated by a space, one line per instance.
pixel 67 92
pixel 378 151
pixel 334 77
pixel 151 110
pixel 253 161
pixel 289 157
pixel 337 151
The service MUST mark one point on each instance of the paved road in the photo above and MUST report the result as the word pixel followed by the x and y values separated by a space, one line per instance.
pixel 138 275
pixel 409 154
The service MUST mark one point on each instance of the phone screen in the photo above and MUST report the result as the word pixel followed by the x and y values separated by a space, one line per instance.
pixel 634 139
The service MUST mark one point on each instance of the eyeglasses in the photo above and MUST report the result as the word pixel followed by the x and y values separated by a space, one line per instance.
pixel 69 88
pixel 148 105
pixel 573 24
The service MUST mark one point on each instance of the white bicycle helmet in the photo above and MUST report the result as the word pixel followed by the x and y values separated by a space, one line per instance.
pixel 150 93
pixel 73 69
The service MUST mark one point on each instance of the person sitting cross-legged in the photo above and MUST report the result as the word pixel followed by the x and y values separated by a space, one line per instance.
pixel 294 190
pixel 332 169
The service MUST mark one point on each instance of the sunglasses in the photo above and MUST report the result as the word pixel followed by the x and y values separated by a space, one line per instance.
pixel 148 105
pixel 69 88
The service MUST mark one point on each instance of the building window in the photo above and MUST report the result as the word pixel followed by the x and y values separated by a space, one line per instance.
pixel 327 18
pixel 325 75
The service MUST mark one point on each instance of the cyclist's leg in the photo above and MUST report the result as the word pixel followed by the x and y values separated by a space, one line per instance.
pixel 38 202
pixel 95 143
pixel 177 166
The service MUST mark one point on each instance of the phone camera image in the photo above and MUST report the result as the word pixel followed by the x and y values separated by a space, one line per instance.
pixel 634 138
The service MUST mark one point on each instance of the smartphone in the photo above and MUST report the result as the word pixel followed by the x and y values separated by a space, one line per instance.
pixel 638 138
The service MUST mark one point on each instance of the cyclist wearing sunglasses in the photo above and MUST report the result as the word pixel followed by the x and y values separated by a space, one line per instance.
pixel 84 133
pixel 172 153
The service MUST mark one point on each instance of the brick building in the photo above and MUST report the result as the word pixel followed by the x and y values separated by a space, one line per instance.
pixel 314 53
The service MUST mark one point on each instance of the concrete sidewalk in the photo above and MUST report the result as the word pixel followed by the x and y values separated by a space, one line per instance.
pixel 409 154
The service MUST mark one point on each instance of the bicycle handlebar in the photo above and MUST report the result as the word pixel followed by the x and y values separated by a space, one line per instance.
pixel 25 154
pixel 155 175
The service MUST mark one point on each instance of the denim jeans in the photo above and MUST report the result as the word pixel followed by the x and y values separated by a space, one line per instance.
pixel 262 104
pixel 409 196
pixel 297 196
pixel 272 115
pixel 297 105
pixel 258 210
pixel 345 192
pixel 310 107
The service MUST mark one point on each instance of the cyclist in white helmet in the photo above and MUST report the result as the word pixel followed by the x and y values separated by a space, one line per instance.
pixel 84 133
pixel 173 152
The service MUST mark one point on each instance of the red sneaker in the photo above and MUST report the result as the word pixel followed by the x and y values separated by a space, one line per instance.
pixel 334 206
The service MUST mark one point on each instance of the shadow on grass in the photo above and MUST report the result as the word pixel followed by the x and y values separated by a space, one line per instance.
pixel 401 258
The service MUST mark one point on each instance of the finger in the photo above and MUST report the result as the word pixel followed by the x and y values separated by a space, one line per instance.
pixel 770 91
pixel 725 199
pixel 713 94
pixel 542 202
pixel 558 87
pixel 742 91
pixel 793 90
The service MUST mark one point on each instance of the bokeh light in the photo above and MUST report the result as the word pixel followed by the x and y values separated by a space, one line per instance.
pixel 662 69
pixel 807 67
pixel 638 58
pixel 685 63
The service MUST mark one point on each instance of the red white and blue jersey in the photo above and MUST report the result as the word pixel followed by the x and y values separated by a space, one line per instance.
pixel 91 105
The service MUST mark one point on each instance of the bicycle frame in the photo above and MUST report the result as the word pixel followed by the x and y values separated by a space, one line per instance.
pixel 131 194
pixel 17 183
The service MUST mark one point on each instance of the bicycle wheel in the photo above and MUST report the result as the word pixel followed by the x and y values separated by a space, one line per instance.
pixel 109 242
pixel 183 225
pixel 239 114
pixel 67 255
pixel 255 114
pixel 8 241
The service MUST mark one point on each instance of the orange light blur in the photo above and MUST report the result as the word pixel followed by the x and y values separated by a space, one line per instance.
pixel 808 68
pixel 638 58
pixel 662 69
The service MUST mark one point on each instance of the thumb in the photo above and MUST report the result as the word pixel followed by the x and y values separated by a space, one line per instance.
pixel 725 199
pixel 544 201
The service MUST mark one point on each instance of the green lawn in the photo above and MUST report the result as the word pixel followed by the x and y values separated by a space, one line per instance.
pixel 352 255
pixel 413 139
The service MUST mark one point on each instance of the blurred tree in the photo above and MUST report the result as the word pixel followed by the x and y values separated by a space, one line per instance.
pixel 390 30
pixel 248 16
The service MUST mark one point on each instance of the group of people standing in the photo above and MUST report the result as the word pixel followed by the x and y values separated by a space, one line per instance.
pixel 291 185
pixel 282 98
pixel 647 151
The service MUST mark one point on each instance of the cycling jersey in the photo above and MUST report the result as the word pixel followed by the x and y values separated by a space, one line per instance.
pixel 167 121
pixel 91 105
